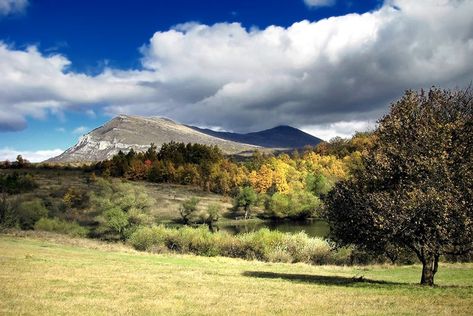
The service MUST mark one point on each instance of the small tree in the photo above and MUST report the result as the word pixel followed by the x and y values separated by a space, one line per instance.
pixel 211 216
pixel 188 208
pixel 415 190
pixel 246 198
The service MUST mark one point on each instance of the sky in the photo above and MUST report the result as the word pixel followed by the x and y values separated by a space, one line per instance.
pixel 329 67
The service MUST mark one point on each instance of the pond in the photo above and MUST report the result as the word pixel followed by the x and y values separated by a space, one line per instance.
pixel 314 228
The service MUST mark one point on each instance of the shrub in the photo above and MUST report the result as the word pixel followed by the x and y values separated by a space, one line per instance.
pixel 113 224
pixel 263 245
pixel 301 204
pixel 8 216
pixel 279 254
pixel 144 238
pixel 61 226
pixel 121 206
pixel 16 183
pixel 75 198
pixel 29 212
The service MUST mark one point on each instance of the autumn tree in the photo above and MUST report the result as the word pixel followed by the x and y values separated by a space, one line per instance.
pixel 415 190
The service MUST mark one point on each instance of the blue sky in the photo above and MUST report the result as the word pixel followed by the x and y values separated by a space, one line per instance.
pixel 329 67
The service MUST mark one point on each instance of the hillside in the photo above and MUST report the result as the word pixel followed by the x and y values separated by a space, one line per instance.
pixel 282 137
pixel 125 132
pixel 50 274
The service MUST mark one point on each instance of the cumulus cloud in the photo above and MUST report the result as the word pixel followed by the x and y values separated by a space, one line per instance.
pixel 341 129
pixel 319 3
pixel 35 85
pixel 8 7
pixel 310 74
pixel 32 156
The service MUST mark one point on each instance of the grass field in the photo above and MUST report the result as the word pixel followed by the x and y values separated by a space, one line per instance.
pixel 56 275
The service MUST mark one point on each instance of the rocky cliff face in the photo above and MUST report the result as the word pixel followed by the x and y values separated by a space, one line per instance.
pixel 125 132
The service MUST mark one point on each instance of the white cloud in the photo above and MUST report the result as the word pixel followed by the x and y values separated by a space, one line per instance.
pixel 8 7
pixel 10 154
pixel 80 130
pixel 60 129
pixel 319 3
pixel 342 69
pixel 341 129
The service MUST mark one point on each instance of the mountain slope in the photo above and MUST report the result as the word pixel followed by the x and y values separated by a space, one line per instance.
pixel 277 137
pixel 125 132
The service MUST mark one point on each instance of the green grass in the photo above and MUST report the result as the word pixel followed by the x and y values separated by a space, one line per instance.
pixel 57 275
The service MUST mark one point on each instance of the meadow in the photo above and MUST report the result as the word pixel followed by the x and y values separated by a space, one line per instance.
pixel 51 274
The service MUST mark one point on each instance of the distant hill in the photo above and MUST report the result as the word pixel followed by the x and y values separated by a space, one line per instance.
pixel 125 132
pixel 281 137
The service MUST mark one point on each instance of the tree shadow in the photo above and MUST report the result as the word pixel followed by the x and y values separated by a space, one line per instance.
pixel 320 279
pixel 342 281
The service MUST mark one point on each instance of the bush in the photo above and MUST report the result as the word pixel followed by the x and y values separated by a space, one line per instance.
pixel 264 245
pixel 16 183
pixel 61 226
pixel 75 198
pixel 121 206
pixel 295 205
pixel 145 238
pixel 113 224
pixel 8 216
pixel 29 212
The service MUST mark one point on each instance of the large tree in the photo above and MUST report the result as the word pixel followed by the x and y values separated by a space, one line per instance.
pixel 415 190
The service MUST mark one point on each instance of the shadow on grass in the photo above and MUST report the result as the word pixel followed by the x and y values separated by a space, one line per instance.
pixel 343 281
pixel 320 279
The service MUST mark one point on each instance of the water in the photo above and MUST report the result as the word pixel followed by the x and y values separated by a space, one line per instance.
pixel 315 228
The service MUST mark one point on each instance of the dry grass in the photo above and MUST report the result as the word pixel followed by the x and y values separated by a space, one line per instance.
pixel 169 198
pixel 52 275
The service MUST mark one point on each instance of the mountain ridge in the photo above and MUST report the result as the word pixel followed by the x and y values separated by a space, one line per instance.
pixel 280 137
pixel 125 132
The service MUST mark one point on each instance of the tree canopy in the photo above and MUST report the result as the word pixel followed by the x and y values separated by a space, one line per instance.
pixel 415 190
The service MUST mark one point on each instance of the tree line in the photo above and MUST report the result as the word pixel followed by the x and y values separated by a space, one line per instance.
pixel 286 186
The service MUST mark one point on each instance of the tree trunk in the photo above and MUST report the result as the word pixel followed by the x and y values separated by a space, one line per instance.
pixel 246 212
pixel 429 268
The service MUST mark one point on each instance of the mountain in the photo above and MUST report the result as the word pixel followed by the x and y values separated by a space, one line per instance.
pixel 125 132
pixel 281 137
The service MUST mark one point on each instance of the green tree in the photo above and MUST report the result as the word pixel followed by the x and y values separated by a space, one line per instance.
pixel 415 190
pixel 121 207
pixel 246 198
pixel 295 205
pixel 188 209
pixel 211 216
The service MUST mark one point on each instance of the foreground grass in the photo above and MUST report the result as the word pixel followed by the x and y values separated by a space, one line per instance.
pixel 50 274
